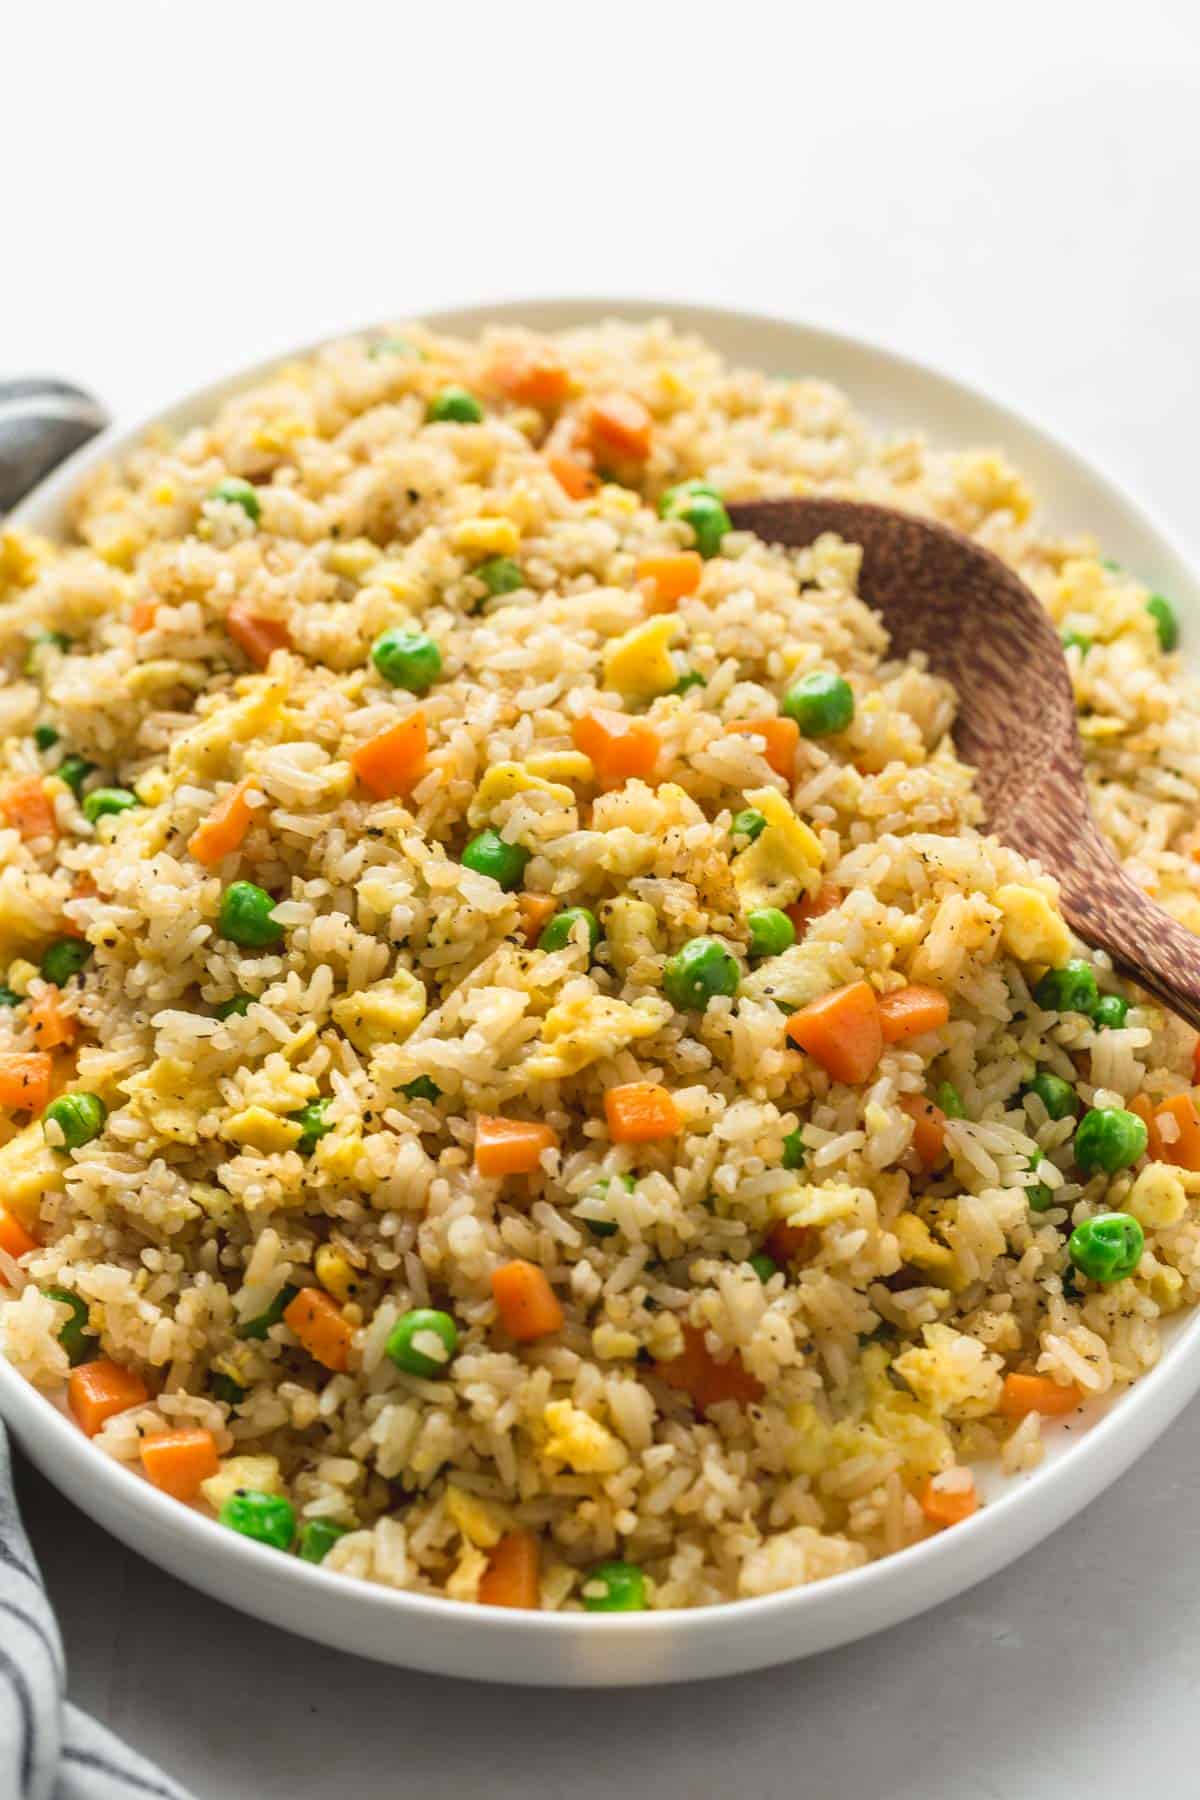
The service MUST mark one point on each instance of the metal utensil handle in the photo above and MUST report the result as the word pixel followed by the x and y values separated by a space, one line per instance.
pixel 42 422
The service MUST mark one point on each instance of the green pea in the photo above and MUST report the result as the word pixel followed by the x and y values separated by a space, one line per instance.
pixel 698 972
pixel 771 931
pixel 74 770
pixel 315 1125
pixel 407 659
pixel 1166 622
pixel 236 492
pixel 39 644
pixel 1056 1095
pixel 259 1326
pixel 947 1096
pixel 709 521
pixel 268 1518
pixel 224 1387
pixel 562 928
pixel 614 1587
pixel 820 703
pixel 1069 989
pixel 45 737
pixel 501 575
pixel 235 1008
pixel 80 1344
pixel 793 1151
pixel 1108 1247
pixel 764 1266
pixel 10 997
pixel 63 958
pixel 454 406
pixel 246 916
pixel 749 823
pixel 103 801
pixel 422 1088
pixel 1039 1196
pixel 423 1342
pixel 687 681
pixel 1110 1012
pixel 490 854
pixel 597 1196
pixel 317 1538
pixel 1110 1139
pixel 79 1118
pixel 1078 639
pixel 672 498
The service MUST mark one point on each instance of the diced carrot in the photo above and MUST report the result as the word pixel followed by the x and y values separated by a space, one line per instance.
pixel 226 826
pixel 393 762
pixel 178 1461
pixel 1037 1393
pixel 257 636
pixel 25 1080
pixel 528 1306
pixel 670 579
pixel 1172 1129
pixel 14 1239
pixel 511 1146
pixel 511 1577
pixel 842 1031
pixel 620 425
pixel 535 912
pixel 929 1128
pixel 791 1243
pixel 28 811
pixel 949 1506
pixel 143 615
pixel 620 747
pixel 575 479
pixel 532 377
pixel 781 737
pixel 811 907
pixel 50 1025
pixel 1196 1063
pixel 698 1373
pixel 318 1323
pixel 910 1011
pixel 97 1391
pixel 640 1112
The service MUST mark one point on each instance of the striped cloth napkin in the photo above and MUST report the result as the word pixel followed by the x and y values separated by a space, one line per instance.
pixel 49 1750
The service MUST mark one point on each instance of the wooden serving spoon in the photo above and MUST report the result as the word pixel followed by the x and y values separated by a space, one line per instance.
pixel 980 627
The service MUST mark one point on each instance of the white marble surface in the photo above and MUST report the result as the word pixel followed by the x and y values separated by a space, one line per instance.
pixel 1010 192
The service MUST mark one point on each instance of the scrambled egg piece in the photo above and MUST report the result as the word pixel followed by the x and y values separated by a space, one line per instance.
pixel 638 663
pixel 385 1013
pixel 258 1472
pixel 480 1522
pixel 255 1128
pixel 29 1170
pixel 919 1247
pixel 816 1206
pixel 1157 1197
pixel 632 930
pixel 952 1373
pixel 785 859
pixel 200 754
pixel 29 903
pixel 486 537
pixel 581 1441
pixel 560 765
pixel 1034 930
pixel 169 1098
pixel 463 1581
pixel 578 1032
pixel 20 554
pixel 504 782
pixel 990 482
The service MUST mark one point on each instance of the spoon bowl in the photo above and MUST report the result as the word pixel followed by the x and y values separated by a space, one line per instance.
pixel 978 625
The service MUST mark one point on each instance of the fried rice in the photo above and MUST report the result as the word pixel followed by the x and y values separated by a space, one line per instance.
pixel 302 1137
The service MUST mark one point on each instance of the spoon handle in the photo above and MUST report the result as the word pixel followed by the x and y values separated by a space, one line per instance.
pixel 1109 911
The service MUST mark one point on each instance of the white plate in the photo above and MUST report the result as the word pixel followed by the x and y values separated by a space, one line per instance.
pixel 549 1649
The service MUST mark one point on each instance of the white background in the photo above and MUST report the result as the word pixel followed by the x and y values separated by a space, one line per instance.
pixel 1008 190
